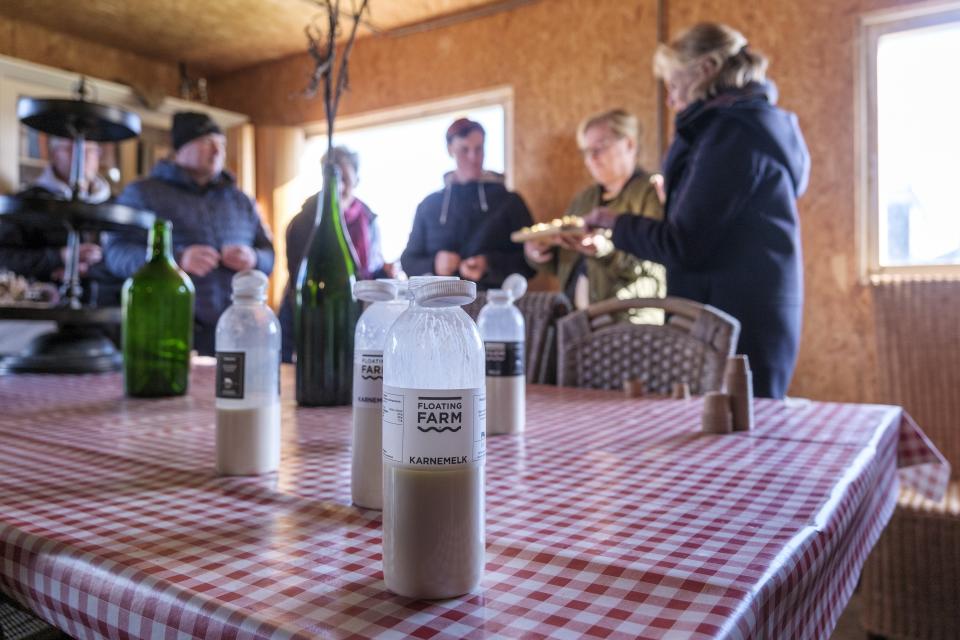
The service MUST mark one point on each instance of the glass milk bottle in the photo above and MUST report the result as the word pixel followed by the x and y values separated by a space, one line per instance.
pixel 248 381
pixel 503 332
pixel 434 445
pixel 389 300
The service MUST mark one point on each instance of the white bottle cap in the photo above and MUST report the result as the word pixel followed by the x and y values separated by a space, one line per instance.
pixel 401 286
pixel 250 284
pixel 446 293
pixel 499 295
pixel 415 282
pixel 515 284
pixel 375 290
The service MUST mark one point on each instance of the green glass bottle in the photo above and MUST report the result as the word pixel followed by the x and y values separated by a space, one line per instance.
pixel 157 322
pixel 326 312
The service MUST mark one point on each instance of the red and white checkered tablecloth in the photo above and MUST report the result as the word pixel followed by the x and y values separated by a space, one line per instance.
pixel 609 518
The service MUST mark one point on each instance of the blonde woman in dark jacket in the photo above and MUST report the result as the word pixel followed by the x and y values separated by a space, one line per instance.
pixel 589 272
pixel 737 164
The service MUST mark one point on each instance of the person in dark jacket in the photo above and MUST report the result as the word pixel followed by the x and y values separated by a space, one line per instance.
pixel 217 230
pixel 40 253
pixel 464 229
pixel 733 174
pixel 361 226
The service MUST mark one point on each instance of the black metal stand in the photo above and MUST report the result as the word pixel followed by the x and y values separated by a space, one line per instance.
pixel 81 343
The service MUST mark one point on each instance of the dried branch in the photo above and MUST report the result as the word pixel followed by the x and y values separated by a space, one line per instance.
pixel 322 48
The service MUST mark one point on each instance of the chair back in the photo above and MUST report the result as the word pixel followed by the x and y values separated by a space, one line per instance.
pixel 599 352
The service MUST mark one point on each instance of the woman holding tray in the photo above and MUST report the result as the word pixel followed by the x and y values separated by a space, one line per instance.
pixel 590 270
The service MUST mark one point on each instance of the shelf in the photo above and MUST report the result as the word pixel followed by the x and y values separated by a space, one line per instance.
pixel 39 163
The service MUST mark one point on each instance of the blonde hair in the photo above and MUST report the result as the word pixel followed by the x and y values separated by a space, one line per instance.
pixel 622 124
pixel 734 64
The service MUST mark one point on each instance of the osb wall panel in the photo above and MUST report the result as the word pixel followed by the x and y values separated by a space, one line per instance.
pixel 562 60
pixel 36 44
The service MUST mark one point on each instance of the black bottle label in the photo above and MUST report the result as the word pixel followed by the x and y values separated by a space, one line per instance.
pixel 504 358
pixel 230 374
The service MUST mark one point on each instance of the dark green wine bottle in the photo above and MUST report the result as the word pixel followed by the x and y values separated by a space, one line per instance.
pixel 157 322
pixel 326 312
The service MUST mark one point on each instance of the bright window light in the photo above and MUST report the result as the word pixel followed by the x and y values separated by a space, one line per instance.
pixel 401 163
pixel 918 147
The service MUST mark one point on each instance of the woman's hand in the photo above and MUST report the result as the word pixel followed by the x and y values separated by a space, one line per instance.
pixel 600 218
pixel 582 243
pixel 538 251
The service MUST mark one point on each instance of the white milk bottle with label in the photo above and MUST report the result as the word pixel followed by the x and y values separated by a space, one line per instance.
pixel 389 298
pixel 503 331
pixel 434 445
pixel 248 382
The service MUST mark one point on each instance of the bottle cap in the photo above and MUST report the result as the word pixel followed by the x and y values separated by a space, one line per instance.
pixel 401 286
pixel 415 282
pixel 250 284
pixel 446 293
pixel 499 295
pixel 375 290
pixel 515 284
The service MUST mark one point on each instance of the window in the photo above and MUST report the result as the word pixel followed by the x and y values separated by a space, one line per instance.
pixel 911 164
pixel 403 156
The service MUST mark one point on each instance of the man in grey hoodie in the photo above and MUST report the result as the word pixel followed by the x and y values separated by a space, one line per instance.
pixel 464 229
pixel 217 229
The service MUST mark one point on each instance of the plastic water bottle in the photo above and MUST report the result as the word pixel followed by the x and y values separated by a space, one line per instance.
pixel 248 381
pixel 389 298
pixel 434 445
pixel 503 331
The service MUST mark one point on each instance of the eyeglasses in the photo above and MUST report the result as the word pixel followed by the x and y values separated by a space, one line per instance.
pixel 600 149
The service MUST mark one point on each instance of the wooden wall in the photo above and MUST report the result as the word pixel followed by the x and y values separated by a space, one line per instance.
pixel 33 43
pixel 565 60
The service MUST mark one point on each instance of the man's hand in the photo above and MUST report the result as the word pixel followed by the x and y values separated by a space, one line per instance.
pixel 90 254
pixel 238 257
pixel 538 251
pixel 473 268
pixel 445 263
pixel 199 259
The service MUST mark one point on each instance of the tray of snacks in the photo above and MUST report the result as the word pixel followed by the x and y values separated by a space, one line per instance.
pixel 572 226
pixel 565 226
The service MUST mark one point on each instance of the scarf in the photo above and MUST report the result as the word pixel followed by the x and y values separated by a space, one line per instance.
pixel 359 229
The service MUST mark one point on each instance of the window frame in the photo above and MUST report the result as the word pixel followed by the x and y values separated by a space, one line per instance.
pixel 872 27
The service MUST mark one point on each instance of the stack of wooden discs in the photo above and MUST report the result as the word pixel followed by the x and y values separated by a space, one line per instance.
pixel 738 383
pixel 716 416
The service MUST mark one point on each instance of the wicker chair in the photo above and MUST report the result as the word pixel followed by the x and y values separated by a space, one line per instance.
pixel 598 352
pixel 911 581
pixel 541 310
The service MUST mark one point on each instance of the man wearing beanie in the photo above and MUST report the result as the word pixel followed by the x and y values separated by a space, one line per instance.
pixel 464 229
pixel 217 230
